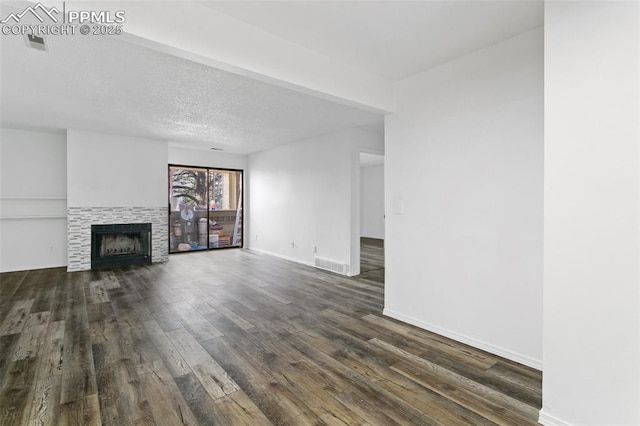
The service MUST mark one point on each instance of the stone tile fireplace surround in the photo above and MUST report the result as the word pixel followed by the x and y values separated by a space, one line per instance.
pixel 80 219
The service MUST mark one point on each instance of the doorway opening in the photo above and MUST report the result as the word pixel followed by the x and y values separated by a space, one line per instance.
pixel 372 216
pixel 372 259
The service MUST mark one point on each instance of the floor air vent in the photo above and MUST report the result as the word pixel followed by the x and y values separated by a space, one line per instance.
pixel 331 265
pixel 36 42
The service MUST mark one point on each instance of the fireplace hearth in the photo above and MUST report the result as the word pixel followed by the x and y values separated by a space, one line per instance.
pixel 120 245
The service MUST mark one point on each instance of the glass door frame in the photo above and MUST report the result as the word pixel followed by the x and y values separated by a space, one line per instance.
pixel 239 209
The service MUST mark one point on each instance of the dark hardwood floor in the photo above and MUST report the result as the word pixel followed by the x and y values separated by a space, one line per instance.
pixel 234 337
pixel 372 259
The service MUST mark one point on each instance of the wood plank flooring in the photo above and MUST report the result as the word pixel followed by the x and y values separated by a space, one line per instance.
pixel 372 259
pixel 233 337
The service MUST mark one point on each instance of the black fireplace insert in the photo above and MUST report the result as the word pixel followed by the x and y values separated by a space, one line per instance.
pixel 120 245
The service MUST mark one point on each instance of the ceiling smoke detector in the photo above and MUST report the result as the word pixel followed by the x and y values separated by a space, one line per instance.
pixel 36 42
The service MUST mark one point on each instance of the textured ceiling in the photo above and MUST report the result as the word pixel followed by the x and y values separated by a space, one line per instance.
pixel 393 39
pixel 108 85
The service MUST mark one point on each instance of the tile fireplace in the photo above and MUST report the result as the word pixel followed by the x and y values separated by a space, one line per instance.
pixel 79 230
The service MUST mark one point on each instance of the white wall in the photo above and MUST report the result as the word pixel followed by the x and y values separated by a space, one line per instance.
pixel 591 249
pixel 307 193
pixel 301 193
pixel 116 171
pixel 464 192
pixel 196 157
pixel 372 202
pixel 33 191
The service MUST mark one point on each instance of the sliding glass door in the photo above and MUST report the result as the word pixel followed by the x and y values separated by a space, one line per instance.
pixel 206 208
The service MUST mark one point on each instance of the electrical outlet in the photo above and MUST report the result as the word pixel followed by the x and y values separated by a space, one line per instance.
pixel 315 249
pixel 293 244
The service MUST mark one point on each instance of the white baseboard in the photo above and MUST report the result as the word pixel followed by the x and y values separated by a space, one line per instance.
pixel 293 259
pixel 281 256
pixel 496 350
pixel 547 419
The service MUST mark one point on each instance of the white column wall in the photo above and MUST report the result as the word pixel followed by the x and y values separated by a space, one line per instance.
pixel 591 214
pixel 464 182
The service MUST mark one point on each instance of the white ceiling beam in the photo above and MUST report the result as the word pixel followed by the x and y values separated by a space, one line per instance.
pixel 195 32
